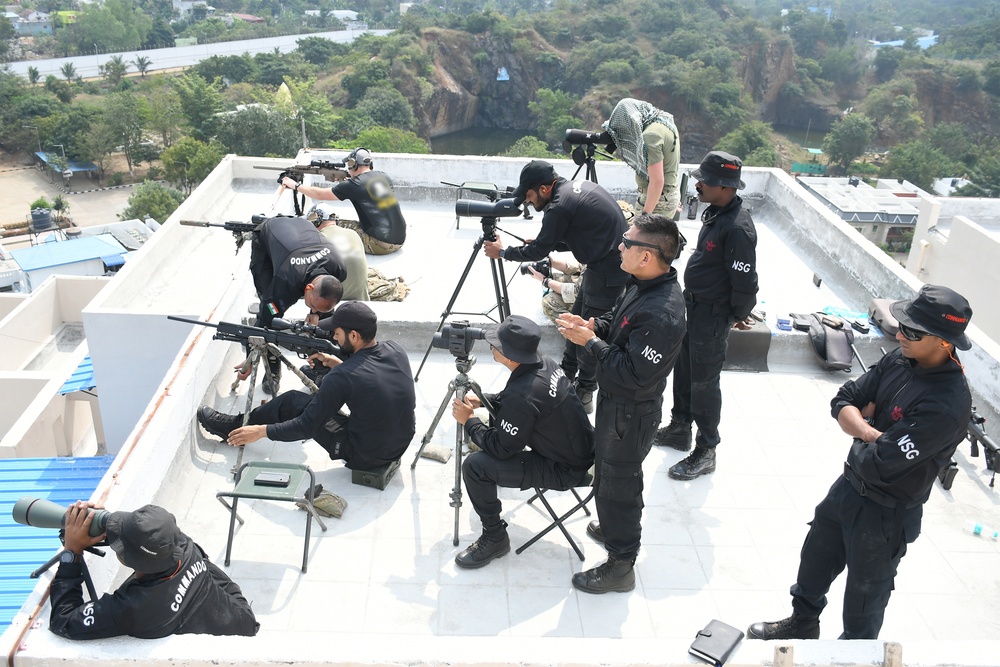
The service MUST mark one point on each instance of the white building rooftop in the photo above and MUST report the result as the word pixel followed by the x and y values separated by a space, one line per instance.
pixel 382 588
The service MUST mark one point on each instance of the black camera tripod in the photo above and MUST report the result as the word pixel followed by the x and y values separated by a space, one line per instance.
pixel 502 306
pixel 457 388
pixel 584 157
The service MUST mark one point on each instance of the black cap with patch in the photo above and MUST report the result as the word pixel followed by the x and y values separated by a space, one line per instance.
pixel 939 311
pixel 720 169
pixel 535 173
pixel 147 540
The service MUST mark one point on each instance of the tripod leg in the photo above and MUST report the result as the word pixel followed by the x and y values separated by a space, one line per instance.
pixel 309 384
pixel 500 288
pixel 437 418
pixel 461 385
pixel 451 302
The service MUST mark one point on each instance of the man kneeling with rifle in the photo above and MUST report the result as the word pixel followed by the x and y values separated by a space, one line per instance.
pixel 374 382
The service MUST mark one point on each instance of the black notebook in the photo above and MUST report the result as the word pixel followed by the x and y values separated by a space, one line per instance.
pixel 716 643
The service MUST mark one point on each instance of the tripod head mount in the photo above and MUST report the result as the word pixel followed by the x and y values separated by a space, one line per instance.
pixel 489 226
pixel 464 364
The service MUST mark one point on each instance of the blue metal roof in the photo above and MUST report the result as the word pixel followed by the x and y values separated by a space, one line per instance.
pixel 64 252
pixel 113 260
pixel 73 164
pixel 23 548
pixel 82 378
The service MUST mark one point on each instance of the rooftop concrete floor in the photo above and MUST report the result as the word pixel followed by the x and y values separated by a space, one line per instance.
pixel 382 587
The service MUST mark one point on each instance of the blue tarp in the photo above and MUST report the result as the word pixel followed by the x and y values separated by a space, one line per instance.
pixel 64 252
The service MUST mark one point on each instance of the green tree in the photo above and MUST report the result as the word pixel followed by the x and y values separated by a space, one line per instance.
pixel 365 75
pixel 387 107
pixel 318 50
pixel 387 140
pixel 114 25
pixel 63 90
pixel 918 162
pixel 68 70
pixel 189 161
pixel 259 131
pixel 153 199
pixel 200 102
pixel 99 142
pixel 34 76
pixel 114 69
pixel 553 109
pixel 168 117
pixel 126 115
pixel 233 69
pixel 985 178
pixel 314 109
pixel 848 139
pixel 748 138
pixel 142 64
pixel 530 147
pixel 7 33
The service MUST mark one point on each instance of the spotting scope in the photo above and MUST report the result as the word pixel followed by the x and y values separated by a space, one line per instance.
pixel 41 513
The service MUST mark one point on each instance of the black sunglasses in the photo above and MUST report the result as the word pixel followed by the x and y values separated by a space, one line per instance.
pixel 909 333
pixel 628 243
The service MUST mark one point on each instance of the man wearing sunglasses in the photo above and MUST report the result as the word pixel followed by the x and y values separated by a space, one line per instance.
pixel 634 346
pixel 720 289
pixel 907 415
pixel 580 216
pixel 380 222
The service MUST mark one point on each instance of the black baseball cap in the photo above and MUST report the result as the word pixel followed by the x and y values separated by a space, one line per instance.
pixel 535 173
pixel 720 169
pixel 939 311
pixel 352 315
pixel 146 540
pixel 517 338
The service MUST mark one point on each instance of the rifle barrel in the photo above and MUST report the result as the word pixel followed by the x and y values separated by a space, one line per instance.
pixel 190 321
pixel 194 223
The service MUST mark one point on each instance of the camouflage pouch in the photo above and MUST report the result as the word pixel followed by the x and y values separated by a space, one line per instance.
pixel 328 505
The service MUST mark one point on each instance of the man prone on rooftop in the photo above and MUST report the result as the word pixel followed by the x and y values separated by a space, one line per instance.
pixel 907 416
pixel 374 382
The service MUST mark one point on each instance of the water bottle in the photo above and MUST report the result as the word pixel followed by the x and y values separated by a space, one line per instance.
pixel 980 530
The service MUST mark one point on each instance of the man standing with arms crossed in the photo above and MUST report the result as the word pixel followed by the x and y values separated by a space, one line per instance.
pixel 635 347
pixel 720 290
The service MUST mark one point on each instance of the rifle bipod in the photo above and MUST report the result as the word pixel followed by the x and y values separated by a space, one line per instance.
pixel 259 351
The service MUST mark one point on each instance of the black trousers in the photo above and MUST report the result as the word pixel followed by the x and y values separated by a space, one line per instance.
pixel 598 293
pixel 332 436
pixel 698 371
pixel 624 436
pixel 869 540
pixel 483 474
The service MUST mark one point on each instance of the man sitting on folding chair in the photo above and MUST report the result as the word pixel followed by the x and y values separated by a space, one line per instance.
pixel 538 409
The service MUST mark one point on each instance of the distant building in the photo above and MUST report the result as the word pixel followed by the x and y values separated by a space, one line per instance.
pixel 882 214
pixel 30 23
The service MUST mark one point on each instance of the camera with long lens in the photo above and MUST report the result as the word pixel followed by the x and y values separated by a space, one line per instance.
pixel 543 266
pixel 474 208
pixel 458 338
pixel 41 513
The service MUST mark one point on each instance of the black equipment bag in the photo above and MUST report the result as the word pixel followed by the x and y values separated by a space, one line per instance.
pixel 830 341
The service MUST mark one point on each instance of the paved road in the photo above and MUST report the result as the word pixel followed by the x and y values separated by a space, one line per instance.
pixel 182 56
pixel 18 188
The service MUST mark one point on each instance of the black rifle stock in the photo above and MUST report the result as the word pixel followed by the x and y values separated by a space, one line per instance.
pixel 301 344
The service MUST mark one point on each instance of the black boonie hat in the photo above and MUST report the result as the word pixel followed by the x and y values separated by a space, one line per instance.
pixel 939 311
pixel 146 540
pixel 535 173
pixel 517 338
pixel 720 169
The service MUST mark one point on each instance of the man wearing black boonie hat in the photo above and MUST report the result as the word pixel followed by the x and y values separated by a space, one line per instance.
pixel 580 216
pixel 720 290
pixel 174 590
pixel 374 382
pixel 538 409
pixel 906 415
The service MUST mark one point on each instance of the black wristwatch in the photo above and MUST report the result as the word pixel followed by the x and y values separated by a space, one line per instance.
pixel 69 557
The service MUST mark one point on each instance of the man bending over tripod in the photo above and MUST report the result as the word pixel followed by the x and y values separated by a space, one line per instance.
pixel 538 409
pixel 583 218
pixel 374 382
pixel 289 260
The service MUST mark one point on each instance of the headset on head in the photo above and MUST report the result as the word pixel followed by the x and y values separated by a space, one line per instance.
pixel 359 157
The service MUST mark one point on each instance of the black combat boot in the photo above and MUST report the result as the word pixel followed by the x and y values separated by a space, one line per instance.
pixel 271 386
pixel 219 424
pixel 615 575
pixel 677 434
pixel 793 627
pixel 493 543
pixel 595 533
pixel 699 462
